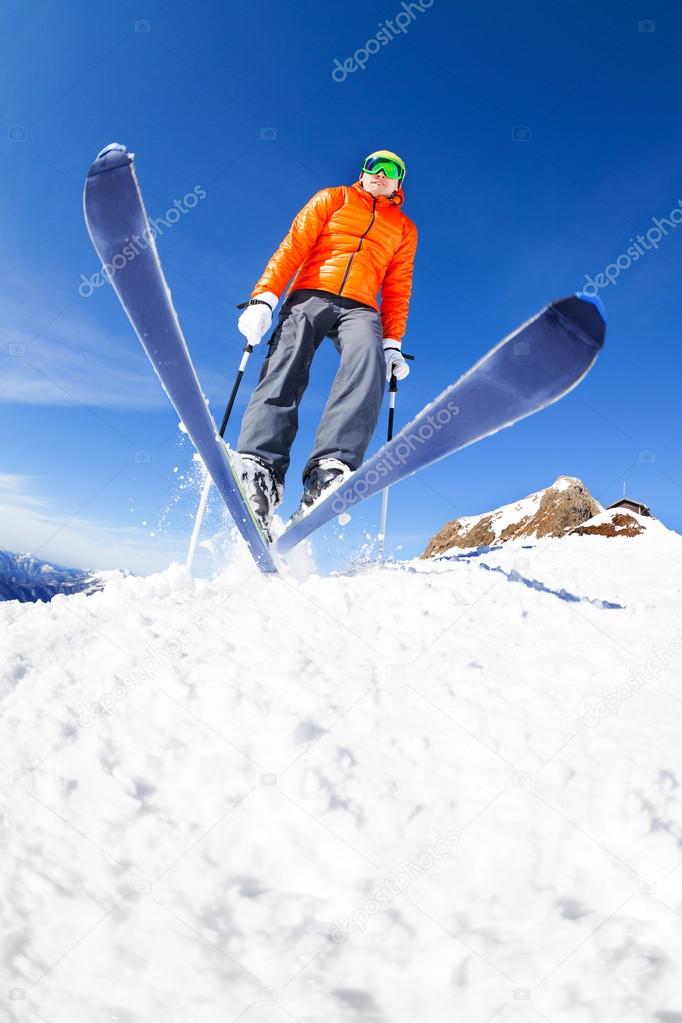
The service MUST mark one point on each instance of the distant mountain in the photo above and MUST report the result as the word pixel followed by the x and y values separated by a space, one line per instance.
pixel 28 579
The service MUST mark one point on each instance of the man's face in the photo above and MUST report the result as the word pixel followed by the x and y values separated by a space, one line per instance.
pixel 378 184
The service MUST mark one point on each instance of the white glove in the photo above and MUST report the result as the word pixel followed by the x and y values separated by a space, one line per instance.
pixel 395 363
pixel 256 319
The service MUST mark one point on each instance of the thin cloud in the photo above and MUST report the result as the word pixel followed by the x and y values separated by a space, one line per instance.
pixel 29 524
pixel 74 363
pixel 68 357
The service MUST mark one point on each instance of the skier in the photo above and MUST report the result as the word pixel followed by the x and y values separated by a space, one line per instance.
pixel 346 244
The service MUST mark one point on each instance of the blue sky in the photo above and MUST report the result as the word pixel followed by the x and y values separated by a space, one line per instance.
pixel 540 138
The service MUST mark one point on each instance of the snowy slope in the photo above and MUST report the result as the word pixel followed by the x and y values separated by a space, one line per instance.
pixel 506 514
pixel 437 791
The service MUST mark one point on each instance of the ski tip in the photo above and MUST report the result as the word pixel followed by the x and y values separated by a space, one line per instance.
pixel 586 314
pixel 595 300
pixel 112 156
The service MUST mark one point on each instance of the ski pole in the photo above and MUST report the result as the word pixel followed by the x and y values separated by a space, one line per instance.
pixel 392 391
pixel 201 511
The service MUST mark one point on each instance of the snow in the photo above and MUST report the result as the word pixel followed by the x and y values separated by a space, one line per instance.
pixel 428 791
pixel 607 515
pixel 564 483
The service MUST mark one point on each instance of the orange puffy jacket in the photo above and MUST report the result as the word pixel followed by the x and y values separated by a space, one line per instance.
pixel 347 242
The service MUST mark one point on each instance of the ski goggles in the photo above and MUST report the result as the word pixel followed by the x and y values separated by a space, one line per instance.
pixel 393 170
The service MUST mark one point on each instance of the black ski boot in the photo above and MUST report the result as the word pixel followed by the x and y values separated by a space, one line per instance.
pixel 262 487
pixel 326 473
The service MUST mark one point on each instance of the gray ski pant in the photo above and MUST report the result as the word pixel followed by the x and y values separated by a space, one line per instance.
pixel 350 416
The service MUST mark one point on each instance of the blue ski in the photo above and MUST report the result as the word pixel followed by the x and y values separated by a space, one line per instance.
pixel 530 369
pixel 120 231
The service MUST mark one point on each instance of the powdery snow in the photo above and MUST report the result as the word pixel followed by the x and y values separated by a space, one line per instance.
pixel 433 791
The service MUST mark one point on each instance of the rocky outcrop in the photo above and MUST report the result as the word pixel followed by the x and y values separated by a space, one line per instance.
pixel 556 511
pixel 611 524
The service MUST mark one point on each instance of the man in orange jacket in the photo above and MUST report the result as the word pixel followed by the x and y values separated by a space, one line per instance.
pixel 343 247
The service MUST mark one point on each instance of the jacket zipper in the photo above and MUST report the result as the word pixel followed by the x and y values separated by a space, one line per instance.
pixel 362 237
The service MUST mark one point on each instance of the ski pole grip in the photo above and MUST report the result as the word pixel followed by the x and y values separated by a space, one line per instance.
pixel 247 349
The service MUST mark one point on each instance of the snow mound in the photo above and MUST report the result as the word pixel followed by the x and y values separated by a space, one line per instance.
pixel 617 522
pixel 438 790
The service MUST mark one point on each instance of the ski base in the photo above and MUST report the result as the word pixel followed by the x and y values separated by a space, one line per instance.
pixel 124 241
pixel 533 367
